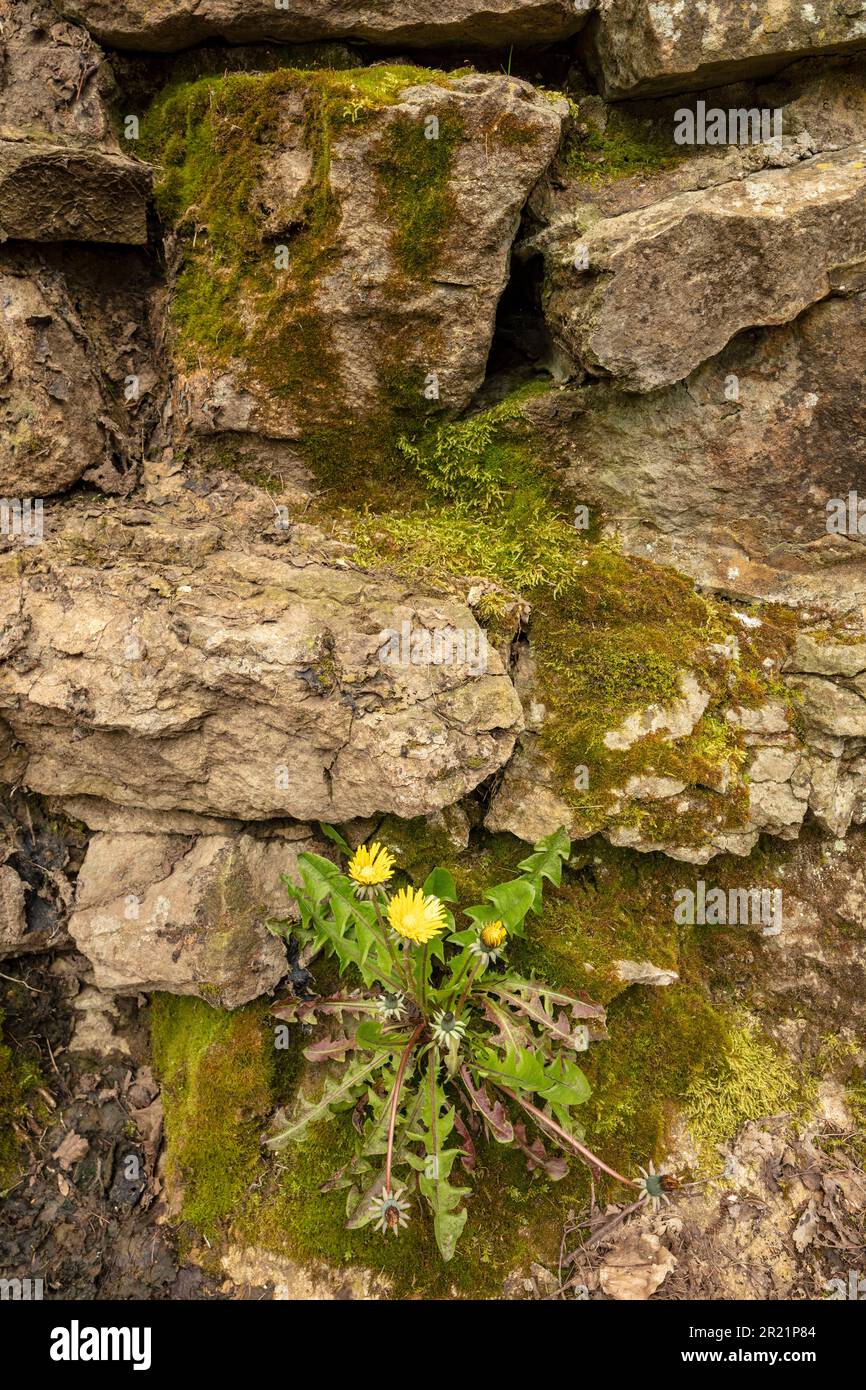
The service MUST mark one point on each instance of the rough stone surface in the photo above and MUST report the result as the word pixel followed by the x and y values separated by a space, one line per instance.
pixel 734 492
pixel 61 193
pixel 172 24
pixel 54 80
pixel 184 915
pixel 63 176
pixel 669 721
pixel 828 658
pixel 759 250
pixel 13 922
pixel 244 686
pixel 641 46
pixel 727 475
pixel 817 767
pixel 69 346
pixel 293 1282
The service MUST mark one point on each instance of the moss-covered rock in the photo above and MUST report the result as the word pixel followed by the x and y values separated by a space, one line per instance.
pixel 344 237
pixel 217 1071
pixel 633 683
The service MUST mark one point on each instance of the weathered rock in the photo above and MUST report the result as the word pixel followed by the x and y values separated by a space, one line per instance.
pixel 54 81
pixel 385 313
pixel 13 921
pixel 832 708
pixel 63 176
pixel 29 921
pixel 636 1267
pixel 97 1023
pixel 135 820
pixel 62 416
pixel 758 251
pixel 242 686
pixel 295 1282
pixel 640 46
pixel 184 915
pixel 826 657
pixel 528 802
pixel 728 476
pixel 643 972
pixel 173 24
pixel 63 193
pixel 838 796
pixel 783 770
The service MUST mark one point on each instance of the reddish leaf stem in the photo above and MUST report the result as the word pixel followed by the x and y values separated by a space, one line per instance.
pixel 395 1099
pixel 586 1154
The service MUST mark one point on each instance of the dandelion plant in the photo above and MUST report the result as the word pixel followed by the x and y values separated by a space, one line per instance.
pixel 438 1040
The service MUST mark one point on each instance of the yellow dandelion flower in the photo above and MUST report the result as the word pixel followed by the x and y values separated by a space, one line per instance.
pixel 493 935
pixel 415 916
pixel 371 865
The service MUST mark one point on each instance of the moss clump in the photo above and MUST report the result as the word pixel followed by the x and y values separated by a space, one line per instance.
pixel 218 1072
pixel 610 907
pixel 20 1079
pixel 661 1040
pixel 747 1081
pixel 629 145
pixel 415 172
pixel 474 502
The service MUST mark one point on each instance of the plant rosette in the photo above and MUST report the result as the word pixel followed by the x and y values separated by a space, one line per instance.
pixel 438 1040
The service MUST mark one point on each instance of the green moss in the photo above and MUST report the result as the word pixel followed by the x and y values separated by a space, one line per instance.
pixel 611 634
pixel 612 906
pixel 217 1071
pixel 20 1079
pixel 748 1080
pixel 474 502
pixel 415 175
pixel 661 1041
pixel 629 145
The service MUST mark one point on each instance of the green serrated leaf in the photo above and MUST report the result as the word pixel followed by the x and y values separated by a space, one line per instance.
pixel 435 1169
pixel 336 1093
pixel 371 1034
pixel 548 856
pixel 560 1082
